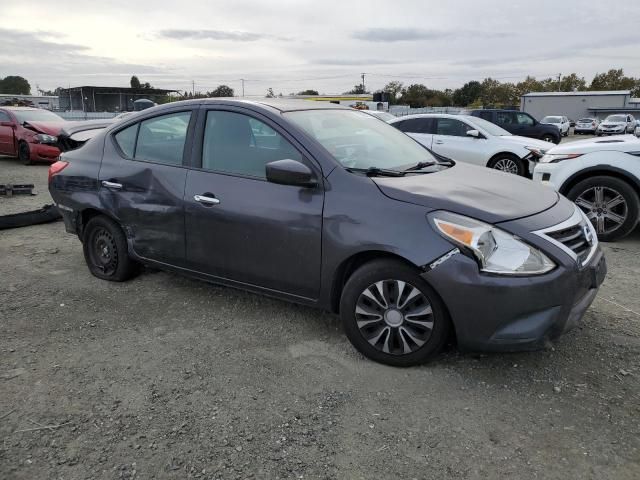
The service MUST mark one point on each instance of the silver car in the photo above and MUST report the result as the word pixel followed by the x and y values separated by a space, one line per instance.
pixel 586 125
pixel 617 124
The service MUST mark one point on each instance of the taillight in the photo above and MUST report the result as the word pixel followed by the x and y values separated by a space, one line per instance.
pixel 56 168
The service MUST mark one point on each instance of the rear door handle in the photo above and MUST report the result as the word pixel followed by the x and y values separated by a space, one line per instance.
pixel 438 142
pixel 112 185
pixel 206 200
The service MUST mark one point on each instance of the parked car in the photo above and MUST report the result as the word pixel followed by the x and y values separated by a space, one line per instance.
pixel 616 125
pixel 27 133
pixel 572 122
pixel 384 116
pixel 561 122
pixel 473 140
pixel 586 125
pixel 519 123
pixel 602 176
pixel 637 129
pixel 344 213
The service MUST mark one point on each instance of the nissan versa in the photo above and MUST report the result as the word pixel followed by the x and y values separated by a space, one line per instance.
pixel 327 206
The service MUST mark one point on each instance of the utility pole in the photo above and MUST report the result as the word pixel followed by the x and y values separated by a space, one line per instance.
pixel 363 89
pixel 559 77
pixel 193 87
pixel 242 80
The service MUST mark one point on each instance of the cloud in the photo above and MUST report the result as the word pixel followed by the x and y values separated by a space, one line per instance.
pixel 415 34
pixel 355 61
pixel 229 35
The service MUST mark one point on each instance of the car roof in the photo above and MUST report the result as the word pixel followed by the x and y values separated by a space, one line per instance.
pixel 435 115
pixel 21 108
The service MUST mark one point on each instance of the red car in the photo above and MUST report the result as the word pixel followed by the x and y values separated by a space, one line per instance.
pixel 27 133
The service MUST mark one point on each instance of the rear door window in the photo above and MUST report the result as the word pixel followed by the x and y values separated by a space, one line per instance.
pixel 505 118
pixel 451 127
pixel 416 125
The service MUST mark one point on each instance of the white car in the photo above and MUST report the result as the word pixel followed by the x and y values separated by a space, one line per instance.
pixel 618 124
pixel 586 125
pixel 382 115
pixel 602 176
pixel 559 121
pixel 473 140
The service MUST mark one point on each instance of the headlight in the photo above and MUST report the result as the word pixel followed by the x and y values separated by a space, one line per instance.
pixel 537 152
pixel 557 157
pixel 44 138
pixel 495 250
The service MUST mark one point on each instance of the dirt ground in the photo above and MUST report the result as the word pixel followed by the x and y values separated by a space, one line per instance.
pixel 167 377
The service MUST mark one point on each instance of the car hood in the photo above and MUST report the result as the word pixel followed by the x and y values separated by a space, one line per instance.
pixel 622 143
pixel 50 128
pixel 479 192
pixel 526 141
pixel 613 124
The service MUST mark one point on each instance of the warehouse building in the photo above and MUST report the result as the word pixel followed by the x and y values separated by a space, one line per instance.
pixel 40 101
pixel 107 99
pixel 577 105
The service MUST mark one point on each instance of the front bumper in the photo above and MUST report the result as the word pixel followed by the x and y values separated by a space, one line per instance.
pixel 499 313
pixel 43 153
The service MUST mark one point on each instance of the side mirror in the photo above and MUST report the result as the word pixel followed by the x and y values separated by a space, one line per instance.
pixel 7 124
pixel 474 134
pixel 290 172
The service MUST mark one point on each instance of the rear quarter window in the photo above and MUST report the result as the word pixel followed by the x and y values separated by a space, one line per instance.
pixel 126 140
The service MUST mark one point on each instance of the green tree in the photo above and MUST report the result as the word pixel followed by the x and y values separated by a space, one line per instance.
pixel 307 92
pixel 357 90
pixel 135 82
pixel 615 80
pixel 418 95
pixel 393 89
pixel 221 91
pixel 572 82
pixel 467 94
pixel 498 94
pixel 270 93
pixel 15 85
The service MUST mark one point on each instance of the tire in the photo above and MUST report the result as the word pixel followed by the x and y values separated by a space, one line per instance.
pixel 393 339
pixel 547 137
pixel 105 250
pixel 509 163
pixel 24 153
pixel 601 213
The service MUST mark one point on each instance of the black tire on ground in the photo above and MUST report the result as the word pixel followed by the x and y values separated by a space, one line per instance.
pixel 503 160
pixel 46 214
pixel 24 154
pixel 105 250
pixel 547 137
pixel 614 185
pixel 389 271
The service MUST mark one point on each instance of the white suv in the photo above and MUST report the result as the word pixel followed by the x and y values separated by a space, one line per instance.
pixel 562 122
pixel 473 140
pixel 602 176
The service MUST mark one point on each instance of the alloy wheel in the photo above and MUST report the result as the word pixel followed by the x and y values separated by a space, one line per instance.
pixel 506 165
pixel 605 207
pixel 394 316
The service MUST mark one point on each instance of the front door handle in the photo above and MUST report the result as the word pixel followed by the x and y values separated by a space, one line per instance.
pixel 112 185
pixel 206 200
pixel 438 142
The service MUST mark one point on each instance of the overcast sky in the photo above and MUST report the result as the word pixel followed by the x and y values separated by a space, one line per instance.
pixel 291 45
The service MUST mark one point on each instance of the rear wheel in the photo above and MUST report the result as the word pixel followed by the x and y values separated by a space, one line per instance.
pixel 105 250
pixel 547 137
pixel 392 316
pixel 610 203
pixel 507 162
pixel 24 153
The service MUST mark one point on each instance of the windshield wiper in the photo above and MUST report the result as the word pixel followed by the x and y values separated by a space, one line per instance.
pixel 377 172
pixel 420 166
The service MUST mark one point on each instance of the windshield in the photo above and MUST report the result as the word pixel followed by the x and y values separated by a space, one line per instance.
pixel 36 116
pixel 357 140
pixel 551 120
pixel 616 118
pixel 586 120
pixel 490 128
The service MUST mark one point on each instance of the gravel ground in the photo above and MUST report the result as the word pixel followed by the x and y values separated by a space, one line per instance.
pixel 167 377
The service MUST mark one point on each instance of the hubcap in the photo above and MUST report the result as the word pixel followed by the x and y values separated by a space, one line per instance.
pixel 394 317
pixel 605 207
pixel 506 165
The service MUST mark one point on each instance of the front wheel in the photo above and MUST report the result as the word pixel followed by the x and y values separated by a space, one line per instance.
pixel 105 250
pixel 550 138
pixel 508 163
pixel 24 153
pixel 611 204
pixel 392 316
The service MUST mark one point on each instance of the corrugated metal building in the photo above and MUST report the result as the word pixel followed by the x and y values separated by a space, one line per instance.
pixel 577 105
pixel 41 101
pixel 107 99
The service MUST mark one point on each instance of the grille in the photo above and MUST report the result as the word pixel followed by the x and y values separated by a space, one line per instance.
pixel 575 239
